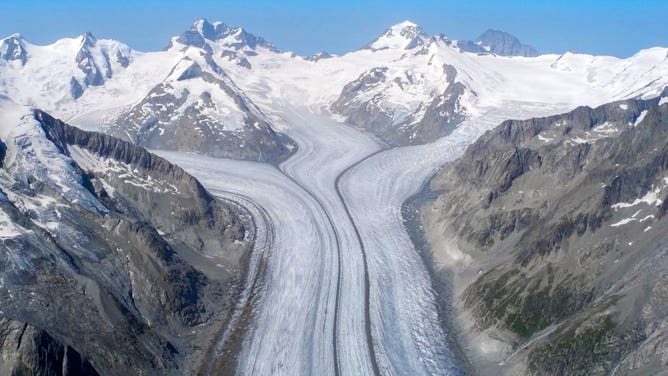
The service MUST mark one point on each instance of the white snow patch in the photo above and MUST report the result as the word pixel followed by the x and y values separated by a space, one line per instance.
pixel 640 118
pixel 623 222
pixel 545 139
pixel 650 198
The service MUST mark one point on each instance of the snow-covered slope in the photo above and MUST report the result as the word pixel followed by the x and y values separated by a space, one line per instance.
pixel 54 76
pixel 408 87
pixel 198 108
pixel 405 86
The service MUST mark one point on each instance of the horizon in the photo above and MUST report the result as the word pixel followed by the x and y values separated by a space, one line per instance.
pixel 330 26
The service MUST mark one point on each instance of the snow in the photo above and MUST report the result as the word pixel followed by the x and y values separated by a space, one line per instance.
pixel 397 37
pixel 545 139
pixel 650 198
pixel 7 227
pixel 640 118
pixel 30 154
pixel 315 230
pixel 663 101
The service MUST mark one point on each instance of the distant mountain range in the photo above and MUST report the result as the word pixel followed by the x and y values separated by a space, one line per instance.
pixel 405 86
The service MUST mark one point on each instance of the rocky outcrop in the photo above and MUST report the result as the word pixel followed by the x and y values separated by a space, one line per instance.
pixel 561 226
pixel 13 49
pixel 114 280
pixel 26 350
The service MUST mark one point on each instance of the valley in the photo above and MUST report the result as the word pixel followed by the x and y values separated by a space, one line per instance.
pixel 311 161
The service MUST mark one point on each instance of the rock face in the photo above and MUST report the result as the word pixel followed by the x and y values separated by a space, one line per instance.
pixel 117 236
pixel 198 108
pixel 364 104
pixel 13 49
pixel 25 350
pixel 498 42
pixel 555 235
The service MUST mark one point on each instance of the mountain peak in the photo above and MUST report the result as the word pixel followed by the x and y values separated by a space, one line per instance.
pixel 13 48
pixel 405 35
pixel 203 31
pixel 87 40
pixel 403 25
pixel 16 36
pixel 503 43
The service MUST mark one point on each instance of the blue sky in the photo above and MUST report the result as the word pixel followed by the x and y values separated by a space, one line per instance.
pixel 609 27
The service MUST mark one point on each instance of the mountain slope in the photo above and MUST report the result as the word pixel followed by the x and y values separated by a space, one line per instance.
pixel 55 75
pixel 405 87
pixel 554 232
pixel 198 108
pixel 121 236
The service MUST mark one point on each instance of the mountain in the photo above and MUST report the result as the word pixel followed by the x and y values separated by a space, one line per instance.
pixel 405 87
pixel 55 75
pixel 498 42
pixel 415 89
pixel 553 230
pixel 546 237
pixel 97 84
pixel 119 236
pixel 405 35
pixel 233 43
pixel 198 108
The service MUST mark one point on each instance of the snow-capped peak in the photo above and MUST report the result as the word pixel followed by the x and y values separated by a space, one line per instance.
pixel 403 25
pixel 17 36
pixel 203 34
pixel 87 40
pixel 404 35
pixel 13 48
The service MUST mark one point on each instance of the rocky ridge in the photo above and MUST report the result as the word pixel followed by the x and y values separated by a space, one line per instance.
pixel 120 237
pixel 554 235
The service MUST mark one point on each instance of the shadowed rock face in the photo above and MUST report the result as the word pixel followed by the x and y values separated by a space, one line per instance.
pixel 25 350
pixel 498 42
pixel 114 285
pixel 13 49
pixel 562 223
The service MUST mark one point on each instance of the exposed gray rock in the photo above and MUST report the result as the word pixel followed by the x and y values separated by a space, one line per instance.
pixel 319 56
pixel 13 49
pixel 75 88
pixel 443 114
pixel 138 297
pixel 26 350
pixel 562 221
pixel 95 75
